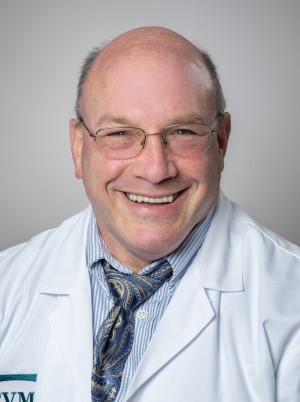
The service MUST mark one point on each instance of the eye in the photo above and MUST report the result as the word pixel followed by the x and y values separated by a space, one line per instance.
pixel 191 131
pixel 183 132
pixel 118 133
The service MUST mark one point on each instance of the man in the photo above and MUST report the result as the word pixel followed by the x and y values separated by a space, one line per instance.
pixel 221 322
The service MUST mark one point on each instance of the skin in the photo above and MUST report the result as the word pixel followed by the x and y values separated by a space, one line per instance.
pixel 148 78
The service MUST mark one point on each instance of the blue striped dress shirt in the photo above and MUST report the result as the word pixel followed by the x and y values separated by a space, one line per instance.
pixel 150 312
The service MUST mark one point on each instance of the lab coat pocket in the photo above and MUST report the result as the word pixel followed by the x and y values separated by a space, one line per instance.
pixel 17 387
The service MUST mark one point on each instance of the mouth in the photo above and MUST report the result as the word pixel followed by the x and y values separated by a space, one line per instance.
pixel 149 200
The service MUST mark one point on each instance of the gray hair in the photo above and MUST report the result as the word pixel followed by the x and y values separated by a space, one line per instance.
pixel 207 60
pixel 85 69
pixel 212 69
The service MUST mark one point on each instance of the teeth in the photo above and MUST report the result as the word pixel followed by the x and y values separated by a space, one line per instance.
pixel 163 200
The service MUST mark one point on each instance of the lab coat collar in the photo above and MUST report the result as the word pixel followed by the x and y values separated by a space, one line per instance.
pixel 66 256
pixel 221 255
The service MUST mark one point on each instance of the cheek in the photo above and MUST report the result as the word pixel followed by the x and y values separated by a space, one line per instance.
pixel 98 173
pixel 205 169
pixel 216 157
pixel 92 169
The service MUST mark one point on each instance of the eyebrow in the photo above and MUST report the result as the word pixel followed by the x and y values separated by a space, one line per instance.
pixel 111 119
pixel 189 118
pixel 108 120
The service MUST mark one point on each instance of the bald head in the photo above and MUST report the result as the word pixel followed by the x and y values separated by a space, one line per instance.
pixel 150 43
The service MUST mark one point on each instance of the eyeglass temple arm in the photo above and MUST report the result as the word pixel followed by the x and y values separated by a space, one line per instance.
pixel 80 121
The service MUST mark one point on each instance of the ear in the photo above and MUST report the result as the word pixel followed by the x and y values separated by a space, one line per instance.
pixel 224 129
pixel 76 143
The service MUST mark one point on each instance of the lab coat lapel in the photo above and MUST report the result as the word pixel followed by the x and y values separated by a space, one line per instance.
pixel 71 324
pixel 70 338
pixel 191 304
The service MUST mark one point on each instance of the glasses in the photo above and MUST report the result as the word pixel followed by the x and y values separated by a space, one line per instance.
pixel 184 139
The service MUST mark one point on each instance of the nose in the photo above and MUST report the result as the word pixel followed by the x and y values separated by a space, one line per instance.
pixel 154 163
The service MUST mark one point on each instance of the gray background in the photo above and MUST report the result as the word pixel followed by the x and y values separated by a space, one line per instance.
pixel 255 45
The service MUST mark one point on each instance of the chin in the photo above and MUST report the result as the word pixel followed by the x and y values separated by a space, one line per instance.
pixel 155 246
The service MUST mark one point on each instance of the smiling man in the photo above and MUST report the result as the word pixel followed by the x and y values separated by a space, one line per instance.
pixel 151 82
pixel 162 290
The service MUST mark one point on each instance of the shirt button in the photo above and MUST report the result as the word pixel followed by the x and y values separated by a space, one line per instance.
pixel 141 314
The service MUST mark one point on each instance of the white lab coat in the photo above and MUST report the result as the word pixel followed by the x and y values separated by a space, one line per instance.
pixel 231 332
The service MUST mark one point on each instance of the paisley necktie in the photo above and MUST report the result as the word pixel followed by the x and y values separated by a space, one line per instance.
pixel 115 337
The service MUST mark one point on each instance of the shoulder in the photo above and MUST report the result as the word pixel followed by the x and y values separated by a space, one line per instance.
pixel 262 241
pixel 254 250
pixel 270 264
pixel 43 241
pixel 42 256
pixel 255 234
pixel 237 249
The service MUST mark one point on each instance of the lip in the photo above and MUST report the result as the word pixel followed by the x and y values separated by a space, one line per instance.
pixel 157 213
pixel 150 199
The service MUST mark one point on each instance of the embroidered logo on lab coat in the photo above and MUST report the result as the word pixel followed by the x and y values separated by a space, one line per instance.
pixel 17 387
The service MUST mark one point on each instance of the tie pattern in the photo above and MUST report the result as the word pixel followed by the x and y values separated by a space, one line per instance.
pixel 115 337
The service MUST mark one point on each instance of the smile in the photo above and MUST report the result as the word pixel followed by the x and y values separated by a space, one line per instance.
pixel 164 200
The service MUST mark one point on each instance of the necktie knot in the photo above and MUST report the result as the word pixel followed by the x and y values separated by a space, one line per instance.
pixel 130 290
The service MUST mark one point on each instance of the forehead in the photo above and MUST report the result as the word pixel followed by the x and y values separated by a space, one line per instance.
pixel 146 77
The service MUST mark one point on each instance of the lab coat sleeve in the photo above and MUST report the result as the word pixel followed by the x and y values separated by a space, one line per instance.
pixel 279 301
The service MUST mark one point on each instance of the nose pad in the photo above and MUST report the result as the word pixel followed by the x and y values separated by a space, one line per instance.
pixel 163 140
pixel 143 141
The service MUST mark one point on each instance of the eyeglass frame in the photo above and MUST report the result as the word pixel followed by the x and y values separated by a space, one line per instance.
pixel 161 133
